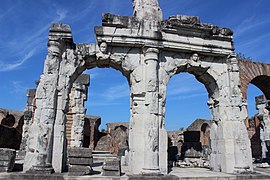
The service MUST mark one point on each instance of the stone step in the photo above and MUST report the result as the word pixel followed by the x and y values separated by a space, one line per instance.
pixel 102 156
pixel 101 152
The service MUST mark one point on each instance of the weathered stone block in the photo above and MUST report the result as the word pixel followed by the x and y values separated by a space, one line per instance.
pixel 77 170
pixel 79 152
pixel 7 159
pixel 80 160
pixel 4 163
pixel 111 168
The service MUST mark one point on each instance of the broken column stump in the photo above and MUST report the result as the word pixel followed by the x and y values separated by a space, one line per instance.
pixel 7 159
pixel 80 161
pixel 111 168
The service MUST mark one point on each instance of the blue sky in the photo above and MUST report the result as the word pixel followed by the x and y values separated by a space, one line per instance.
pixel 24 26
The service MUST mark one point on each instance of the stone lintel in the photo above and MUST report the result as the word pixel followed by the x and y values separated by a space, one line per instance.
pixel 179 24
pixel 164 40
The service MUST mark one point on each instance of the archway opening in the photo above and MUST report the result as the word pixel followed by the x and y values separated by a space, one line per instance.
pixel 258 95
pixel 108 111
pixel 187 118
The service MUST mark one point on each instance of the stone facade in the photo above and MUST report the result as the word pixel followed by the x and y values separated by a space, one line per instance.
pixel 148 51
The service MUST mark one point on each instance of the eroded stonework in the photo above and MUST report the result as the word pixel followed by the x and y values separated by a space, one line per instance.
pixel 148 51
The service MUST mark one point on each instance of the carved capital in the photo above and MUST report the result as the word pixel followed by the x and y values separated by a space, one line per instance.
pixel 233 63
pixel 151 54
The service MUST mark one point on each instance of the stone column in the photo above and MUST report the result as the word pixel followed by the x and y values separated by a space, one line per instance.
pixel 231 152
pixel 68 67
pixel 40 141
pixel 78 96
pixel 151 118
pixel 242 147
pixel 47 133
pixel 163 135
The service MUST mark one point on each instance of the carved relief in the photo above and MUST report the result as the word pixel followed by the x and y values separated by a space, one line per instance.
pixel 195 57
pixel 52 60
pixel 102 53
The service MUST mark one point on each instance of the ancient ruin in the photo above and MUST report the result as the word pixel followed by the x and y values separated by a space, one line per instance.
pixel 148 50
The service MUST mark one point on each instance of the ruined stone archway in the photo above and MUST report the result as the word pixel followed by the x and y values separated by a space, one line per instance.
pixel 148 51
pixel 63 65
pixel 215 78
pixel 258 124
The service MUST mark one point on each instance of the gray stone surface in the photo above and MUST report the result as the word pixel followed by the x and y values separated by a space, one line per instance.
pixel 79 152
pixel 111 168
pixel 80 160
pixel 7 159
pixel 77 170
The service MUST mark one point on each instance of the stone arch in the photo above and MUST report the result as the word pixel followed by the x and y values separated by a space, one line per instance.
pixel 263 83
pixel 220 76
pixel 63 65
pixel 179 63
pixel 173 63
pixel 255 73
pixel 77 98
pixel 95 60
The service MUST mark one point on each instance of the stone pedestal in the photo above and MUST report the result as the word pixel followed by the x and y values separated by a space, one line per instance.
pixel 111 168
pixel 41 169
pixel 80 161
pixel 7 159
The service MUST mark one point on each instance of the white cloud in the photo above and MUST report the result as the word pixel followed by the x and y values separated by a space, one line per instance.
pixel 28 44
pixel 192 96
pixel 18 88
pixel 116 92
pixel 16 65
pixel 61 14
pixel 96 104
pixel 182 90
